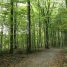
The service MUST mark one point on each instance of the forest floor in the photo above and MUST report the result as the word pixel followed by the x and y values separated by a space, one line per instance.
pixel 47 58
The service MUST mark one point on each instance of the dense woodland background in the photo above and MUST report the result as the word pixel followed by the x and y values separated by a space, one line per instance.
pixel 31 25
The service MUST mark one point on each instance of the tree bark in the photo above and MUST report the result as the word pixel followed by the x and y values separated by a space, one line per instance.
pixel 66 3
pixel 15 29
pixel 1 38
pixel 11 28
pixel 39 25
pixel 47 36
pixel 28 28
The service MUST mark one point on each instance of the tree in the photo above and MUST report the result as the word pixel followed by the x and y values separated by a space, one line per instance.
pixel 15 28
pixel 66 3
pixel 39 24
pixel 11 28
pixel 28 28
pixel 47 22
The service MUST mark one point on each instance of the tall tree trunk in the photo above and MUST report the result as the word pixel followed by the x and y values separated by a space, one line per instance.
pixel 28 28
pixel 38 39
pixel 66 3
pixel 47 22
pixel 58 39
pixel 44 30
pixel 62 38
pixel 1 38
pixel 39 25
pixel 47 36
pixel 15 28
pixel 11 28
pixel 34 37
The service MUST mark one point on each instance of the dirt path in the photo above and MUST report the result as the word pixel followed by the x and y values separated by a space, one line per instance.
pixel 47 58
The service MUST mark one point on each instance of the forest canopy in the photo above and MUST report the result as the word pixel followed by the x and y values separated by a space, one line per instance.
pixel 32 24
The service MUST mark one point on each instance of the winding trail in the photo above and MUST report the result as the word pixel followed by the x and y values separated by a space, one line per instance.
pixel 45 58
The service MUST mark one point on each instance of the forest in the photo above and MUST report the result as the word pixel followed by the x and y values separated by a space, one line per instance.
pixel 33 30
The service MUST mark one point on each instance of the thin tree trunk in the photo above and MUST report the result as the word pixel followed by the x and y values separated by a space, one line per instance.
pixel 44 30
pixel 11 28
pixel 39 25
pixel 34 38
pixel 28 28
pixel 1 37
pixel 66 3
pixel 15 28
pixel 58 39
pixel 47 36
pixel 38 39
pixel 47 22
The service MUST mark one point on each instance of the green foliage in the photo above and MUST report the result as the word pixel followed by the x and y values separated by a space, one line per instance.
pixel 40 11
